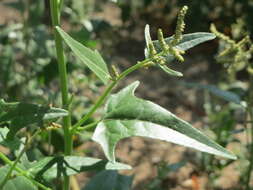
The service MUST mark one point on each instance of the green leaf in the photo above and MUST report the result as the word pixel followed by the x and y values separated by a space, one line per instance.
pixel 109 180
pixel 127 115
pixel 226 95
pixel 20 115
pixel 188 41
pixel 13 144
pixel 90 58
pixel 16 183
pixel 170 71
pixel 52 167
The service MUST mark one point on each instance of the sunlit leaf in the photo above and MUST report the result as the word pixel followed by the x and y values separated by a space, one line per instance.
pixel 20 115
pixel 52 167
pixel 188 41
pixel 127 115
pixel 109 180
pixel 90 58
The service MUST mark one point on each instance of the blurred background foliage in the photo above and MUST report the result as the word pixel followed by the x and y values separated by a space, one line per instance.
pixel 26 39
pixel 28 69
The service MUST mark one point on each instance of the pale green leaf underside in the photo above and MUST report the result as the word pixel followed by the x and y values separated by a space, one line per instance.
pixel 127 115
pixel 92 59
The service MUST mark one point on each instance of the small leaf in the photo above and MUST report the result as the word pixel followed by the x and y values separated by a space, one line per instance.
pixel 188 41
pixel 226 95
pixel 20 115
pixel 109 180
pixel 147 39
pixel 16 183
pixel 13 144
pixel 52 167
pixel 170 71
pixel 91 59
pixel 127 115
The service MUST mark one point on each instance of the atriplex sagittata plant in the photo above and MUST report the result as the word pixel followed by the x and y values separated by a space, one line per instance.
pixel 125 116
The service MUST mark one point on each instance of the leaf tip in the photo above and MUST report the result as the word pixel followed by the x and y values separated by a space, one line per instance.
pixel 212 36
pixel 231 156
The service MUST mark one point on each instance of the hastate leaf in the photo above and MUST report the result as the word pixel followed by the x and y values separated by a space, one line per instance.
pixel 109 180
pixel 92 59
pixel 127 115
pixel 20 115
pixel 52 167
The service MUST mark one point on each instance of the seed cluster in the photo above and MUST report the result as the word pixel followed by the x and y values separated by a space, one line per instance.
pixel 168 48
pixel 236 55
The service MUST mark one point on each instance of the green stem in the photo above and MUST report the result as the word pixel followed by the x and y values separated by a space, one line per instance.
pixel 7 177
pixel 23 172
pixel 87 127
pixel 107 91
pixel 27 144
pixel 55 14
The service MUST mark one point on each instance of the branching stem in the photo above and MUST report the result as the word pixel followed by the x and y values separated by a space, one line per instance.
pixel 107 91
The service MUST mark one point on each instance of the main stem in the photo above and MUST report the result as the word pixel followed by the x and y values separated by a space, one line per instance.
pixel 55 14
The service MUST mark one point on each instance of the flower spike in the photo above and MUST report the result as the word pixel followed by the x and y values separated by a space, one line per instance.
pixel 180 26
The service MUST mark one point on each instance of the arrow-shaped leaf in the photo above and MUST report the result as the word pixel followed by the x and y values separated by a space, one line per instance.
pixel 127 115
pixel 20 115
pixel 90 58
